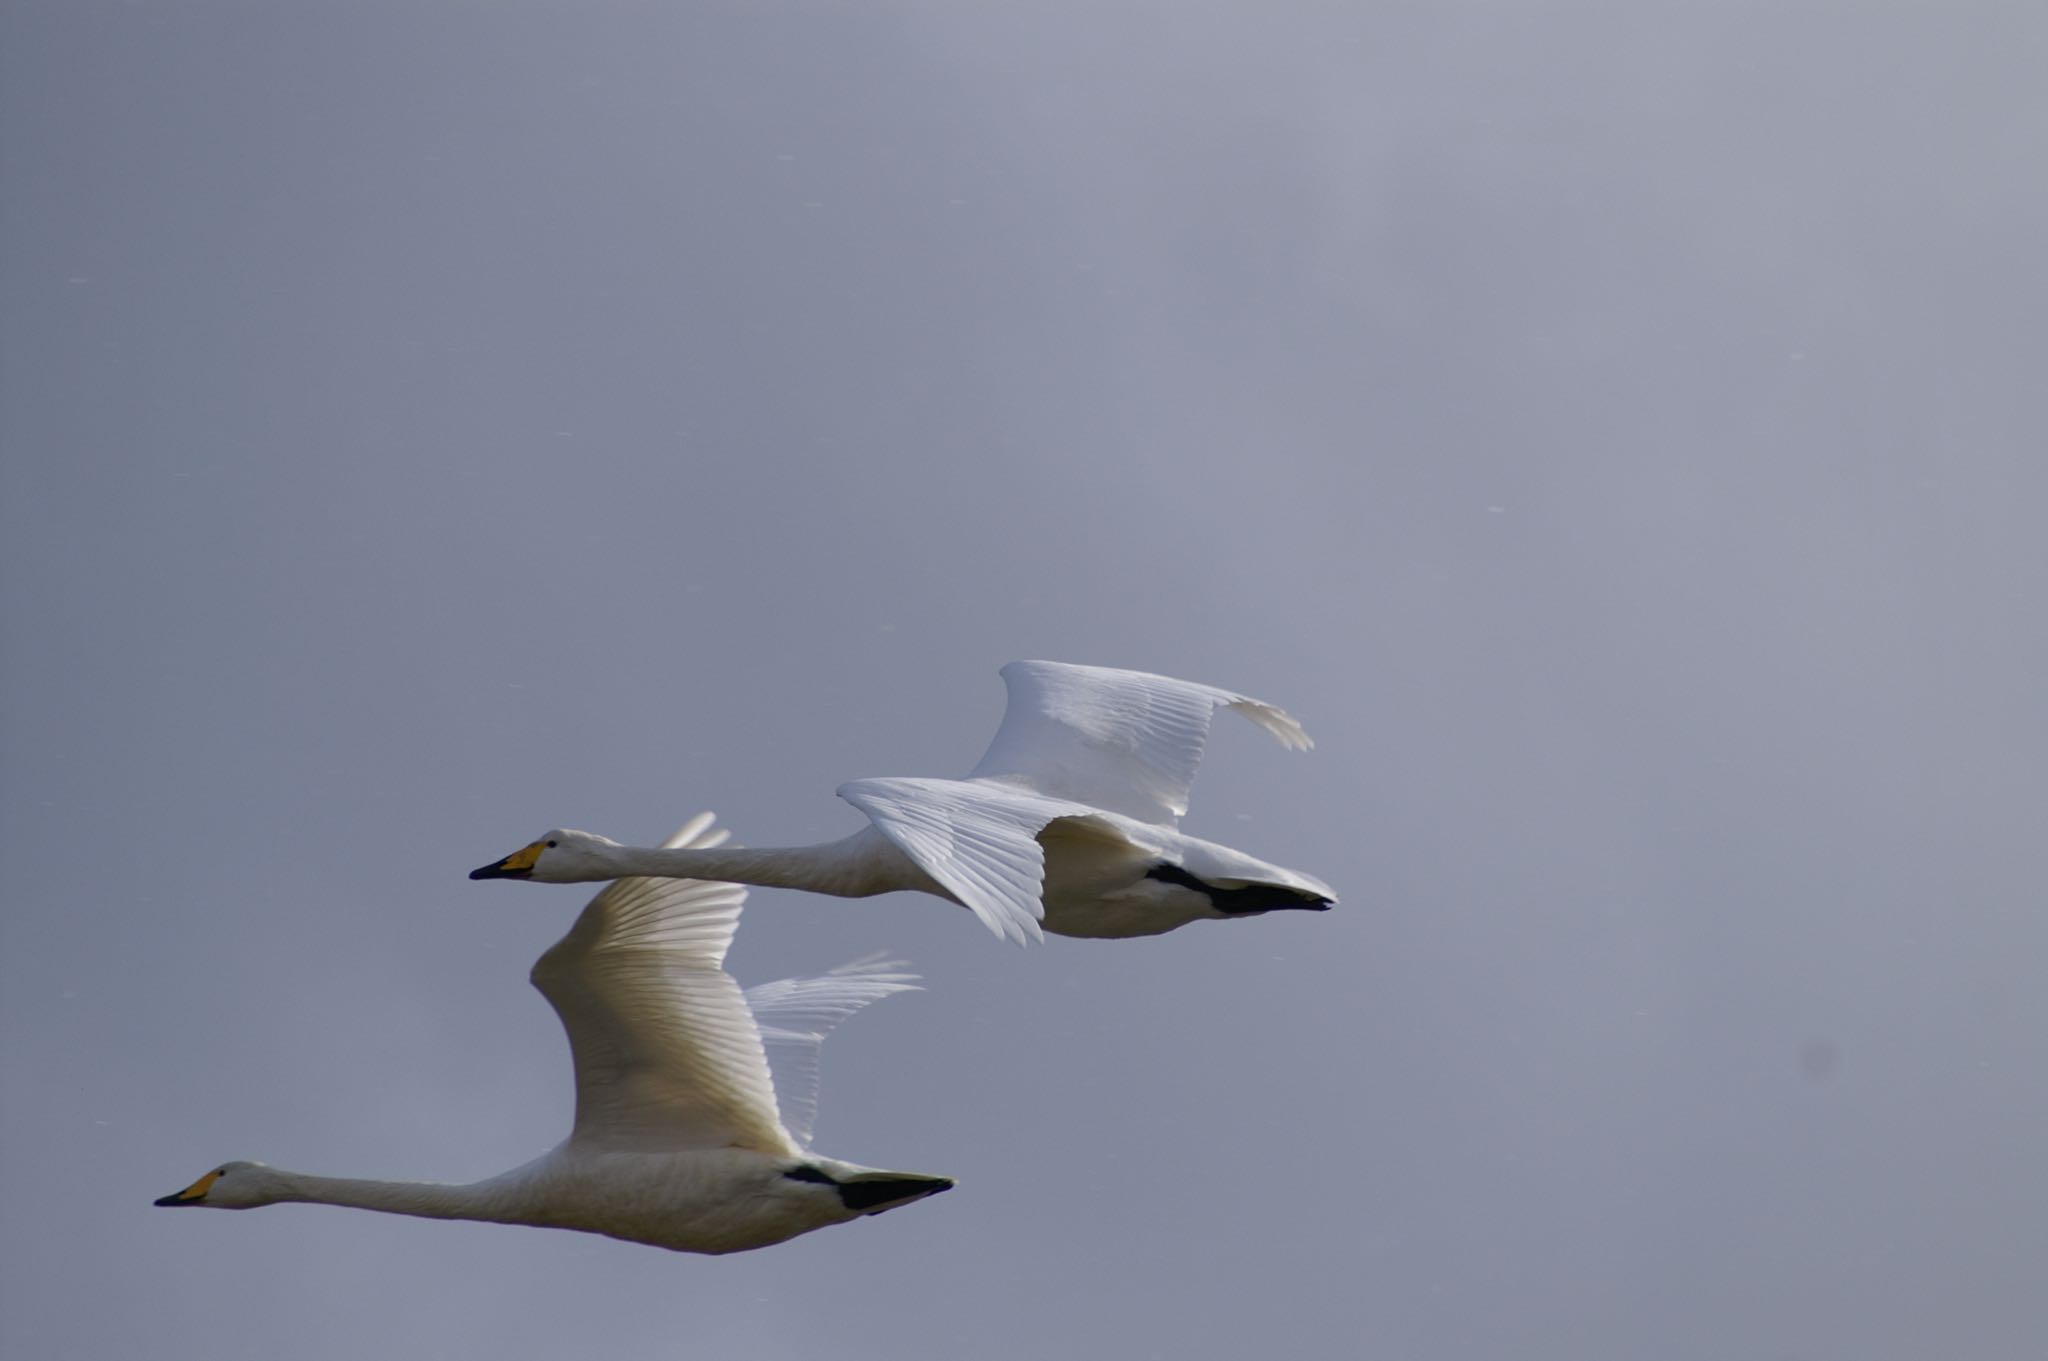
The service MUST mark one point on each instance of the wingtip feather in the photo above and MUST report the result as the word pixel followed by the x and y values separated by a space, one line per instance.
pixel 1285 727
pixel 698 834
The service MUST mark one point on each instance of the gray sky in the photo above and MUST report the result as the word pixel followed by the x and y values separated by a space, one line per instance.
pixel 1616 431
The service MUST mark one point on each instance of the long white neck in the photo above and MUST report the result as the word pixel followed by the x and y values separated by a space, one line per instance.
pixel 498 1199
pixel 857 866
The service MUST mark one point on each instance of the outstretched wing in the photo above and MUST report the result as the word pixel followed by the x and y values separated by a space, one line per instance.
pixel 978 839
pixel 1124 741
pixel 796 1014
pixel 667 1053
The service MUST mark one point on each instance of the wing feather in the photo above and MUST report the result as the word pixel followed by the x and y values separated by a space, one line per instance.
pixel 1124 741
pixel 796 1014
pixel 979 841
pixel 666 1051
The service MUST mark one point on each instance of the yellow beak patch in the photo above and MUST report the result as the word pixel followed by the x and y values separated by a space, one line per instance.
pixel 198 1189
pixel 523 858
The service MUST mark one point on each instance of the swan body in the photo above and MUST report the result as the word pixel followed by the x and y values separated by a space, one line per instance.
pixel 678 1139
pixel 1068 824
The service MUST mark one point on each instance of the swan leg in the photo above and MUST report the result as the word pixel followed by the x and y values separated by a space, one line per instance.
pixel 873 1194
pixel 1250 900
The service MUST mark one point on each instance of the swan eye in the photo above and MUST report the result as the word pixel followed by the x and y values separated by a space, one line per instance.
pixel 553 844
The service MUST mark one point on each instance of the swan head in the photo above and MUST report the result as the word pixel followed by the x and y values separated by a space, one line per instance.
pixel 233 1186
pixel 560 857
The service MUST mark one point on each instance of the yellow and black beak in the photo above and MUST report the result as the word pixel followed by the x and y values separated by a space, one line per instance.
pixel 195 1194
pixel 518 865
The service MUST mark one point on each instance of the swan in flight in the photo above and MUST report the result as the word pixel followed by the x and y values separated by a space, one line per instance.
pixel 678 1140
pixel 1069 824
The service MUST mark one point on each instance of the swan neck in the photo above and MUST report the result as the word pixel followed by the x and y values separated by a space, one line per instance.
pixel 855 867
pixel 486 1200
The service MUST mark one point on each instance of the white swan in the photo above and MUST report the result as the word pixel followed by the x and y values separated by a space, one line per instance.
pixel 677 1140
pixel 1070 820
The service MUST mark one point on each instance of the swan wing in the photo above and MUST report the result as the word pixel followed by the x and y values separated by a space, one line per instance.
pixel 667 1053
pixel 978 839
pixel 796 1014
pixel 1124 741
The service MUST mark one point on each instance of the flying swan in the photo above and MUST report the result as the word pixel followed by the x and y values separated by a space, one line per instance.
pixel 1069 824
pixel 677 1141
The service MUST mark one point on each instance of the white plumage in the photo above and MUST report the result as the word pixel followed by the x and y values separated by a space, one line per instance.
pixel 678 1140
pixel 1069 823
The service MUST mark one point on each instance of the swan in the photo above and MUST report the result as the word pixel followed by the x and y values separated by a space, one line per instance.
pixel 1068 824
pixel 678 1140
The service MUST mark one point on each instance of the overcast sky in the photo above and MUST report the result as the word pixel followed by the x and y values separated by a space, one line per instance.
pixel 1617 431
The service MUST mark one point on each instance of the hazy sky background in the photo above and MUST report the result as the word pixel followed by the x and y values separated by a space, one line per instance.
pixel 1617 431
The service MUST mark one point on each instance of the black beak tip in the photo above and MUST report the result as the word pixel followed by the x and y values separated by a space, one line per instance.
pixel 496 870
pixel 487 872
pixel 170 1200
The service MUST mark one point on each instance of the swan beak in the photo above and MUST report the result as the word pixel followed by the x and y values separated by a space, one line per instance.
pixel 518 865
pixel 194 1194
